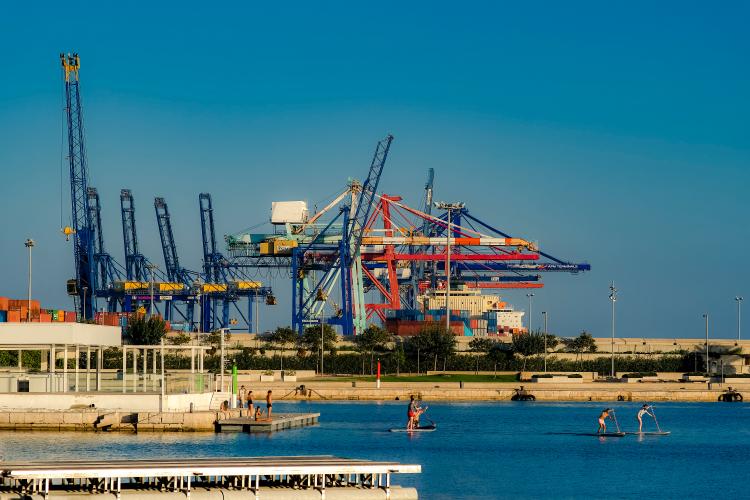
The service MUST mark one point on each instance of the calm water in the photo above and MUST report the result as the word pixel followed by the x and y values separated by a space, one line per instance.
pixel 480 450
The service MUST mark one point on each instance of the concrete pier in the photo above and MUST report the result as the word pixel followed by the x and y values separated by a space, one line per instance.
pixel 276 423
pixel 296 477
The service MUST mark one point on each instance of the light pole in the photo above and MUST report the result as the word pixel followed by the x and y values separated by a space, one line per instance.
pixel 739 317
pixel 29 244
pixel 322 344
pixel 705 316
pixel 613 298
pixel 529 295
pixel 544 314
pixel 151 268
pixel 450 207
pixel 83 308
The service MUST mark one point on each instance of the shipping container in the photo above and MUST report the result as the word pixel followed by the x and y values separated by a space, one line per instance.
pixel 4 303
pixel 70 316
pixel 45 318
pixel 14 316
pixel 3 316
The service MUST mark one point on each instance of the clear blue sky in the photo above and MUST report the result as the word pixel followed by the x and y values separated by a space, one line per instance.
pixel 611 133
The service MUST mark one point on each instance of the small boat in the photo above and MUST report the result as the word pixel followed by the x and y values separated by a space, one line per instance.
pixel 424 428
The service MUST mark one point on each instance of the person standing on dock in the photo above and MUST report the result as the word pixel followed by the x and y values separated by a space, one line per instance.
pixel 250 399
pixel 241 397
pixel 602 418
pixel 269 403
pixel 645 410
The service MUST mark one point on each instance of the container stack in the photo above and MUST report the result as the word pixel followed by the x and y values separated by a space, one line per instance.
pixel 17 311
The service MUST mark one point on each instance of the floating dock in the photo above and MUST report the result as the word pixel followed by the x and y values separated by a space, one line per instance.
pixel 295 477
pixel 276 423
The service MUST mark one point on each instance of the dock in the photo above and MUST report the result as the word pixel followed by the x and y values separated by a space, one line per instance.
pixel 294 477
pixel 278 422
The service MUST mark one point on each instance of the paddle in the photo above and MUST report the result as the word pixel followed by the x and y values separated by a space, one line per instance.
pixel 653 414
pixel 614 417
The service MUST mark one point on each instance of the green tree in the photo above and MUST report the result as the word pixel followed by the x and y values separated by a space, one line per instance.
pixel 282 337
pixel 481 345
pixel 181 338
pixel 311 339
pixel 142 331
pixel 529 344
pixel 434 341
pixel 213 340
pixel 498 353
pixel 583 343
pixel 373 339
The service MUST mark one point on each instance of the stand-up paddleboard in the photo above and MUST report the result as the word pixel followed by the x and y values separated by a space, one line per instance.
pixel 424 428
pixel 650 433
pixel 602 434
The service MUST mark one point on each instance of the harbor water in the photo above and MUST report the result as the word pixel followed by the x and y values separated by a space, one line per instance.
pixel 480 450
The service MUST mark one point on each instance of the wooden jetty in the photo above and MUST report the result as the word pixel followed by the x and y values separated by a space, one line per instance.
pixel 278 422
pixel 294 477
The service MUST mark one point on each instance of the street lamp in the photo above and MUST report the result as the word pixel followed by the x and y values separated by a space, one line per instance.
pixel 151 268
pixel 29 244
pixel 739 318
pixel 544 314
pixel 83 308
pixel 529 295
pixel 450 207
pixel 705 316
pixel 613 298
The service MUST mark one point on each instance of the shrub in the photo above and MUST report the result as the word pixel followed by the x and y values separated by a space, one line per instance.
pixel 639 375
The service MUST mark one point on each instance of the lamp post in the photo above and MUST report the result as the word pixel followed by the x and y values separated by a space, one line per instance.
pixel 29 244
pixel 739 318
pixel 705 316
pixel 450 207
pixel 151 268
pixel 83 308
pixel 529 295
pixel 322 345
pixel 544 314
pixel 613 298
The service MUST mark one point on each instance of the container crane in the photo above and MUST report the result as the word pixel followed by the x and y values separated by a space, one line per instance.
pixel 83 243
pixel 135 263
pixel 106 269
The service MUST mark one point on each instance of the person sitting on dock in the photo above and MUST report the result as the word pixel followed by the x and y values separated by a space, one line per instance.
pixel 269 403
pixel 258 413
pixel 602 425
pixel 645 410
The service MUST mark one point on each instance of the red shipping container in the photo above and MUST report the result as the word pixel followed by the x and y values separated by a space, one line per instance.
pixel 45 318
pixel 14 316
pixel 70 316
pixel 4 303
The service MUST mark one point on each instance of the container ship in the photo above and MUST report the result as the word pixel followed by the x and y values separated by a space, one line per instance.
pixel 471 314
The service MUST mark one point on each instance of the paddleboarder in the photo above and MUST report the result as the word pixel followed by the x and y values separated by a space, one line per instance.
pixel 645 410
pixel 412 412
pixel 602 418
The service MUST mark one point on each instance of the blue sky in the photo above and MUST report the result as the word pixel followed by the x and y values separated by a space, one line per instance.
pixel 613 134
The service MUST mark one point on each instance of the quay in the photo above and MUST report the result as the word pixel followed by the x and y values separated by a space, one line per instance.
pixel 295 477
pixel 276 423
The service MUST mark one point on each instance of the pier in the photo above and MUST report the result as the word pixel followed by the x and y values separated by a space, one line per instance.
pixel 295 477
pixel 276 423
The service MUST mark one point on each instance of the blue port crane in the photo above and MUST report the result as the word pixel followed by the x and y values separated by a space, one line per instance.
pixel 106 270
pixel 135 263
pixel 95 269
pixel 83 243
pixel 225 285
pixel 175 272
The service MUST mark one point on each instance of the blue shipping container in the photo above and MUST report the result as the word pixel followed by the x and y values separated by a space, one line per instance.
pixel 3 316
